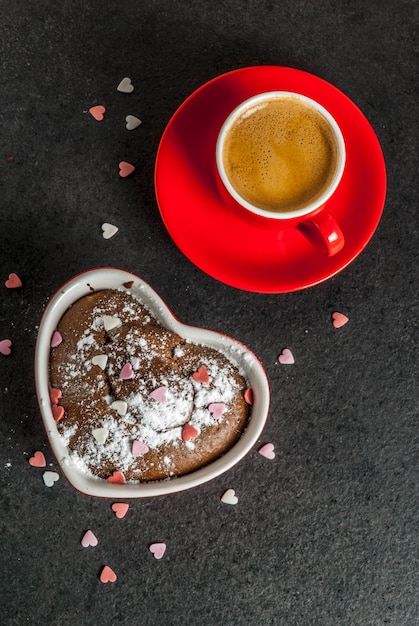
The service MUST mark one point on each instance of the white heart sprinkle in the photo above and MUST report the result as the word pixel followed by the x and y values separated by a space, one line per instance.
pixel 132 122
pixel 229 497
pixel 109 230
pixel 100 434
pixel 110 322
pixel 100 360
pixel 125 86
pixel 50 478
pixel 120 407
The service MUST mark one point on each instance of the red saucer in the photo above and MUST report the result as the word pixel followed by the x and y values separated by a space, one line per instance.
pixel 269 258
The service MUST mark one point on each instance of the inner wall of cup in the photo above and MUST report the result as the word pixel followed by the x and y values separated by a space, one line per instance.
pixel 286 214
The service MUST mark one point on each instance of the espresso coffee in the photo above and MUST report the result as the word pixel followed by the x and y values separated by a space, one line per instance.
pixel 280 154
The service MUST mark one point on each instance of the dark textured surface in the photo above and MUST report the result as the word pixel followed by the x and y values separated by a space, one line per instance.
pixel 325 534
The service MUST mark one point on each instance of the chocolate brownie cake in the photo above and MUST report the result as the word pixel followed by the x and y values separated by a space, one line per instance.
pixel 134 401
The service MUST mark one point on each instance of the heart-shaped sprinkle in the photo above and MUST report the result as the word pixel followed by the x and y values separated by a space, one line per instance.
pixel 100 434
pixel 248 396
pixel 5 347
pixel 159 394
pixel 216 409
pixel 125 86
pixel 117 478
pixel 125 169
pixel 57 412
pixel 109 322
pixel 50 478
pixel 339 319
pixel 107 575
pixel 201 376
pixel 286 357
pixel 13 282
pixel 89 539
pixel 157 550
pixel 120 406
pixel 132 122
pixel 126 372
pixel 56 339
pixel 100 360
pixel 229 497
pixel 128 284
pixel 38 460
pixel 120 509
pixel 267 451
pixel 97 112
pixel 109 230
pixel 189 432
pixel 139 448
pixel 54 395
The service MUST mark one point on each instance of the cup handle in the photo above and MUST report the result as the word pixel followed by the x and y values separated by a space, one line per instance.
pixel 323 232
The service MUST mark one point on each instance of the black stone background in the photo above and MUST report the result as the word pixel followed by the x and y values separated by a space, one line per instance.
pixel 326 533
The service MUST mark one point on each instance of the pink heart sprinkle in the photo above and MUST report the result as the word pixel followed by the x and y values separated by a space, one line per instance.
pixel 159 394
pixel 120 509
pixel 126 372
pixel 97 112
pixel 339 319
pixel 56 339
pixel 286 357
pixel 158 550
pixel 125 169
pixel 139 448
pixel 5 347
pixel 89 539
pixel 216 409
pixel 267 451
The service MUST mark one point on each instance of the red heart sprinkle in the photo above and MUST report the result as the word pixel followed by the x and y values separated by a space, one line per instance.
pixel 248 396
pixel 56 339
pixel 339 319
pixel 57 412
pixel 5 347
pixel 117 478
pixel 201 376
pixel 120 509
pixel 125 169
pixel 189 432
pixel 107 575
pixel 13 282
pixel 38 460
pixel 54 395
pixel 97 112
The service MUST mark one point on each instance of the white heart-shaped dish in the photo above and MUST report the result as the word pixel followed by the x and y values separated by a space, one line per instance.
pixel 111 278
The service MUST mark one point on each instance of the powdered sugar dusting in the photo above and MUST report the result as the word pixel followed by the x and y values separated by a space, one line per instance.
pixel 157 359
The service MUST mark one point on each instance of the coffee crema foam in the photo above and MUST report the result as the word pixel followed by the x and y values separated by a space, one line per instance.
pixel 280 154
